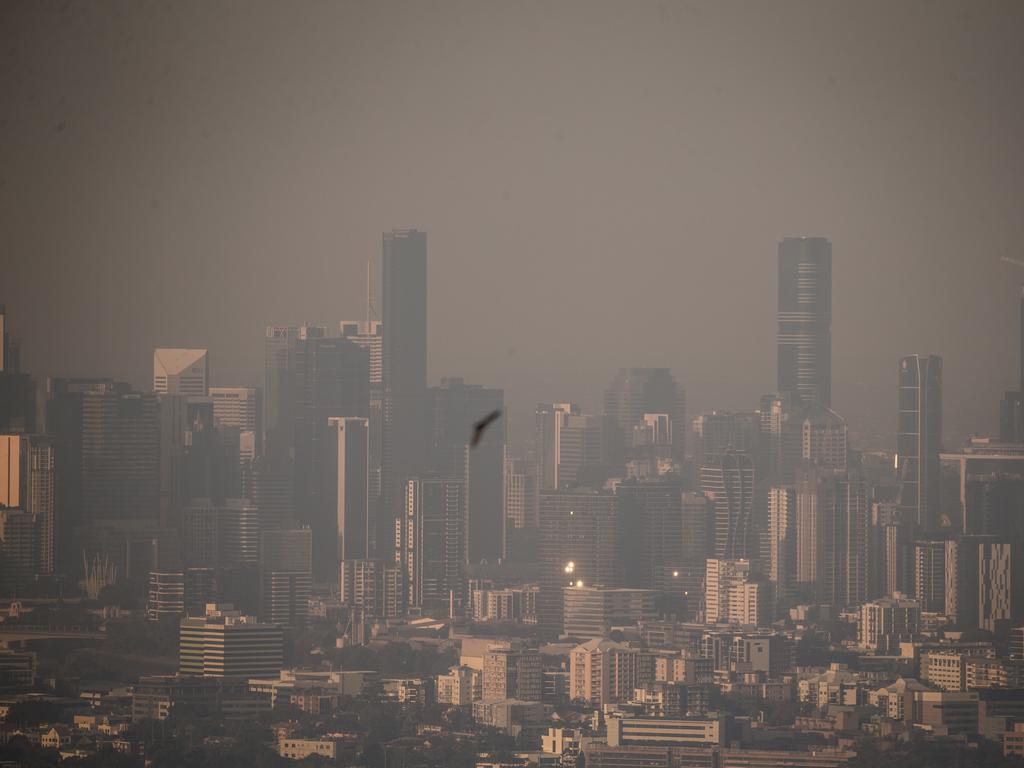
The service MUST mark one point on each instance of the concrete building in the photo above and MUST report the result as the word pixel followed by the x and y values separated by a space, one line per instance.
pixel 181 372
pixel 603 671
pixel 511 673
pixel 886 622
pixel 240 408
pixel 224 643
pixel 805 319
pixel 919 439
pixel 565 441
pixel 591 611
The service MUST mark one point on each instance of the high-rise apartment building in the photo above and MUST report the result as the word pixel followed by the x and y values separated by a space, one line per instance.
pixel 433 542
pixel 565 441
pixel 919 438
pixel 727 479
pixel 181 372
pixel 782 536
pixel 224 643
pixel 522 493
pixel 512 673
pixel 805 319
pixel 722 576
pixel 833 517
pixel 377 587
pixel 603 672
pixel 19 549
pixel 979 587
pixel 930 575
pixel 403 368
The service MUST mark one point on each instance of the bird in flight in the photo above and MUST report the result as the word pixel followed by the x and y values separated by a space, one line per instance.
pixel 482 425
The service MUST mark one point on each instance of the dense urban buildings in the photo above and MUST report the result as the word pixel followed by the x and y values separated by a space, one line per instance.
pixel 350 511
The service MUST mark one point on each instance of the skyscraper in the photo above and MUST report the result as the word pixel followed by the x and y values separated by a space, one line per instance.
pixel 345 522
pixel 805 319
pixel 286 576
pixel 17 390
pixel 453 408
pixel 727 479
pixel 635 392
pixel 27 482
pixel 433 542
pixel 403 367
pixel 579 542
pixel 565 441
pixel 919 438
pixel 240 408
pixel 181 372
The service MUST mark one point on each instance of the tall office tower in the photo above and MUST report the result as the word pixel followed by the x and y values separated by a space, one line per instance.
pixel 341 531
pixel 727 479
pixel 27 482
pixel 220 534
pixel 224 643
pixel 512 673
pixel 240 408
pixel 452 410
pixel 782 529
pixel 17 390
pixel 197 460
pixel 181 372
pixel 919 438
pixel 270 489
pixel 106 457
pixel 930 575
pixel 19 550
pixel 433 543
pixel 369 334
pixel 278 419
pixel 980 583
pixel 635 392
pixel 375 586
pixel 286 576
pixel 805 319
pixel 579 543
pixel 652 533
pixel 722 576
pixel 329 378
pixel 565 441
pixel 403 369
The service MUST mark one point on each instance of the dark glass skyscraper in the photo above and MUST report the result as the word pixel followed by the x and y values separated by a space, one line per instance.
pixel 919 438
pixel 805 319
pixel 404 369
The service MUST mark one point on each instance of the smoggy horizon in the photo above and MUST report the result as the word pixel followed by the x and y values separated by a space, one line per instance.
pixel 601 186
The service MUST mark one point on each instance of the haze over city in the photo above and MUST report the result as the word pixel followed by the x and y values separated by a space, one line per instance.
pixel 604 184
pixel 511 384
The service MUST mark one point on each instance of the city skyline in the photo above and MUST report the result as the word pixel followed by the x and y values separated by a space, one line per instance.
pixel 824 171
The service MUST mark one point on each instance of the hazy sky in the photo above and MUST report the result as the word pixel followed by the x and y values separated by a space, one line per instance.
pixel 602 184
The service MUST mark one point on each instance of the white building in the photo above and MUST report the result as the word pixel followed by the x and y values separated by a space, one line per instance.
pixel 181 372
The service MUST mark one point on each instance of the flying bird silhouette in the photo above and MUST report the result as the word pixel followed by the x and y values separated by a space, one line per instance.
pixel 482 425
